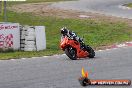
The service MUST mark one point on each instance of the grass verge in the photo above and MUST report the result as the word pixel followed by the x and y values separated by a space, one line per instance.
pixel 35 1
pixel 97 33
pixel 22 54
pixel 129 5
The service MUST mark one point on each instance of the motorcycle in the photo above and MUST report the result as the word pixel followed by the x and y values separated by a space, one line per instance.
pixel 74 50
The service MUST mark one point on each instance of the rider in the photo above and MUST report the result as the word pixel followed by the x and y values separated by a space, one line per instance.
pixel 72 35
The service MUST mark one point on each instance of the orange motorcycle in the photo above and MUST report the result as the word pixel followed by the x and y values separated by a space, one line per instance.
pixel 74 50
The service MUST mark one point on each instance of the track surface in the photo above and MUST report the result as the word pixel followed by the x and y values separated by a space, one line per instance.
pixel 60 72
pixel 107 7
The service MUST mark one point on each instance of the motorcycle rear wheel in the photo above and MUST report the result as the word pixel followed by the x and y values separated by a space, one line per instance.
pixel 71 53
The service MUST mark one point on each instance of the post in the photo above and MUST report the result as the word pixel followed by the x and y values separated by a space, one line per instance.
pixel 5 13
pixel 0 7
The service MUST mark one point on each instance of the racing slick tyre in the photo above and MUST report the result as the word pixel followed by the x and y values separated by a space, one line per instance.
pixel 71 53
pixel 91 51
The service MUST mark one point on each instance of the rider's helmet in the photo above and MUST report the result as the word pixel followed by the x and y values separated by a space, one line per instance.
pixel 64 30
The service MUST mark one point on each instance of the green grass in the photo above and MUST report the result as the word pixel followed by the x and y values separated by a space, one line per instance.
pixel 129 5
pixel 34 1
pixel 96 33
pixel 22 54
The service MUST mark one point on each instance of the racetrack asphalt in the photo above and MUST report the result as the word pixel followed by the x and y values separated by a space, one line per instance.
pixel 107 7
pixel 59 71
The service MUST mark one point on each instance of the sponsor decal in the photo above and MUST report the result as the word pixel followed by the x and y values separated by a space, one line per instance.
pixel 8 27
pixel 9 36
pixel 6 41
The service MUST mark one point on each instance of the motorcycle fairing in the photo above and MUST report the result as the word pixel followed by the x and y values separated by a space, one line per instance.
pixel 69 42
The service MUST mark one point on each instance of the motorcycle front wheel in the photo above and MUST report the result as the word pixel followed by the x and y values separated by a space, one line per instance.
pixel 71 53
pixel 91 51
